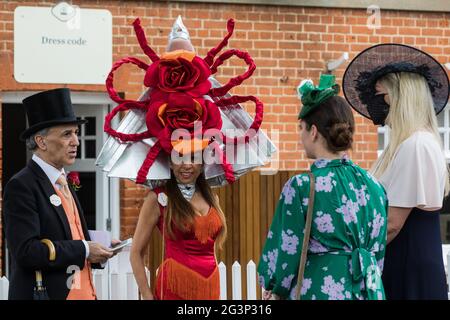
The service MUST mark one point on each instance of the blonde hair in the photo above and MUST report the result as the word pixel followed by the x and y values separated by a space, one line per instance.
pixel 411 110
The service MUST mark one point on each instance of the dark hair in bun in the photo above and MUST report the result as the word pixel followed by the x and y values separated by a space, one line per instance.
pixel 334 120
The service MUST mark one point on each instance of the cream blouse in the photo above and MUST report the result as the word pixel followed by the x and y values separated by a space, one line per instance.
pixel 416 176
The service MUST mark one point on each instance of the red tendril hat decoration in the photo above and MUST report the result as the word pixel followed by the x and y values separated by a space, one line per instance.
pixel 180 96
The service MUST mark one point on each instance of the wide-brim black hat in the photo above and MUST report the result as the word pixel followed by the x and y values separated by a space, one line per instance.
pixel 48 109
pixel 373 63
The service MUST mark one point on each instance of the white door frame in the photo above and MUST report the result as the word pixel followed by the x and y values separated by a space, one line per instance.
pixel 102 221
pixel 102 182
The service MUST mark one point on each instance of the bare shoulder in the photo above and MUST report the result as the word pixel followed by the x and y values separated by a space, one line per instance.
pixel 150 207
pixel 151 197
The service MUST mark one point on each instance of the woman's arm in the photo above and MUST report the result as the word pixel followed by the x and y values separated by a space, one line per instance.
pixel 148 218
pixel 396 219
pixel 278 265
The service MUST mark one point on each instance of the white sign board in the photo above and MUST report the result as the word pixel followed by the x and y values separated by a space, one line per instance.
pixel 63 44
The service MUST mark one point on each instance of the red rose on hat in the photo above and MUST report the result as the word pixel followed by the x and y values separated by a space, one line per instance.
pixel 179 71
pixel 180 111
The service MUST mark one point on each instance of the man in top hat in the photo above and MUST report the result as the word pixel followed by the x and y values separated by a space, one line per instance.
pixel 44 223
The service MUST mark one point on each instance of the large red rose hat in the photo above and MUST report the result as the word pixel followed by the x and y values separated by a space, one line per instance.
pixel 184 110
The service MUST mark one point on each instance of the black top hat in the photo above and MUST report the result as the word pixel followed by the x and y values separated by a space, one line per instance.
pixel 373 63
pixel 47 109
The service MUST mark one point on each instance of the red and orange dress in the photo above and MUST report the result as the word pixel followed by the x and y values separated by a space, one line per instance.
pixel 189 269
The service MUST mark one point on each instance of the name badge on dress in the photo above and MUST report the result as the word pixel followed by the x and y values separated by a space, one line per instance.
pixel 55 200
pixel 162 199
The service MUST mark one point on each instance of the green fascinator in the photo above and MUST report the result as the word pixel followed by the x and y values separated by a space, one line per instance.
pixel 312 96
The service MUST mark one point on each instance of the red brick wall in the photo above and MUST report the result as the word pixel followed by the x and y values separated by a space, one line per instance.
pixel 287 43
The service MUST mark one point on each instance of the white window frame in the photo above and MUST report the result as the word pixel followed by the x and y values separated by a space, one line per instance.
pixel 445 130
pixel 383 131
pixel 103 221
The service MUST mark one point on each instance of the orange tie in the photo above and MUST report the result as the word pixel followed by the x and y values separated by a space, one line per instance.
pixel 64 188
pixel 85 288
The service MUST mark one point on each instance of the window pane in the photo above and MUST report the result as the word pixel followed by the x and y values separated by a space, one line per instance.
pixel 90 126
pixel 79 151
pixel 381 141
pixel 440 118
pixel 89 148
pixel 80 127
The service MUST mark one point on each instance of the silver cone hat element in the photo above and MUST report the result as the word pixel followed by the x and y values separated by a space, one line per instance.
pixel 179 30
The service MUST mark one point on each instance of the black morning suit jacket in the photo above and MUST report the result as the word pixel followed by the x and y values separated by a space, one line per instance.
pixel 29 216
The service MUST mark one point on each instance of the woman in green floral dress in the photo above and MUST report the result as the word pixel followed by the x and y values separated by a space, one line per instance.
pixel 348 231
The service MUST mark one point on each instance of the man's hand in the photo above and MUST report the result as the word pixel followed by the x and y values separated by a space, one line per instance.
pixel 98 253
pixel 113 243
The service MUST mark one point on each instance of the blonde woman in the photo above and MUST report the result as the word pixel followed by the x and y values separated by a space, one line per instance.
pixel 405 88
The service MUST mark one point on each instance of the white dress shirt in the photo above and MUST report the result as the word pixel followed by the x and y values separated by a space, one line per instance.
pixel 53 174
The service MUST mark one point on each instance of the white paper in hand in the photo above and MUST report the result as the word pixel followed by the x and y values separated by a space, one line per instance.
pixel 100 236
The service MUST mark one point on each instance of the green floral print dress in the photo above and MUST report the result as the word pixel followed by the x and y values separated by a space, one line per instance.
pixel 348 235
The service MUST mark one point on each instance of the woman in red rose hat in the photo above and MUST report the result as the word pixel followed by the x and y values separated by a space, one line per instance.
pixel 184 114
pixel 188 214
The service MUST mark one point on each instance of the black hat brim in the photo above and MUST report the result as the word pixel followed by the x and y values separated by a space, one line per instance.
pixel 374 58
pixel 48 124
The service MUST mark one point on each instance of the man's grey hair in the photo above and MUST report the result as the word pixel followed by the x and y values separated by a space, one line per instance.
pixel 31 142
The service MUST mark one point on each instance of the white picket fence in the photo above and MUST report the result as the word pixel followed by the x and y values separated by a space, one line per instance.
pixel 4 285
pixel 120 279
pixel 116 281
